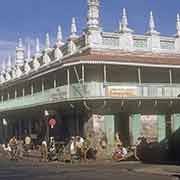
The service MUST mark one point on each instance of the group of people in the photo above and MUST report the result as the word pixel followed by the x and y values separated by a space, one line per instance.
pixel 16 148
pixel 78 148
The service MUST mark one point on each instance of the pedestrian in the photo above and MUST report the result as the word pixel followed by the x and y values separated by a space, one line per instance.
pixel 13 145
pixel 44 151
pixel 27 144
pixel 72 148
pixel 20 149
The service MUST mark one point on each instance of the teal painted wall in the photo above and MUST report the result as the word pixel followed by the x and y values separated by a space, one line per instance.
pixel 109 128
pixel 175 119
pixel 135 127
pixel 161 127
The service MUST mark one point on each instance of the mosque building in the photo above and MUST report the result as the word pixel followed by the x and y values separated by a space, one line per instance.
pixel 94 83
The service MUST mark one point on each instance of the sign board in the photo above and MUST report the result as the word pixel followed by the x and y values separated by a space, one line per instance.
pixel 122 91
pixel 52 122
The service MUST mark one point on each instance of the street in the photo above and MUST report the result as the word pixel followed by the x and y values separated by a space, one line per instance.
pixel 92 171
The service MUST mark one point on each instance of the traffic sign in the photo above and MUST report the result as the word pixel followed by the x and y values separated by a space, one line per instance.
pixel 52 122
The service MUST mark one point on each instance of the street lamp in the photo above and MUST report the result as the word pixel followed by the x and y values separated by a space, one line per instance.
pixel 46 114
pixel 5 123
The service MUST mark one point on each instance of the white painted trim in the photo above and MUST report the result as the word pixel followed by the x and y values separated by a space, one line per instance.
pixel 120 63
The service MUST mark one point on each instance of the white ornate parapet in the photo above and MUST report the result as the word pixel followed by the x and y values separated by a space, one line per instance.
pixel 146 43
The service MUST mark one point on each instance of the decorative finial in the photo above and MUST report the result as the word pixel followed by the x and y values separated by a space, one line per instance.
pixel 20 44
pixel 71 47
pixel 47 42
pixel 152 30
pixel 46 58
pixel 73 29
pixel 3 66
pixel 27 67
pixel 151 22
pixel 9 63
pixel 178 26
pixel 37 46
pixel 124 23
pixel 58 53
pixel 29 52
pixel 120 26
pixel 124 19
pixel 59 41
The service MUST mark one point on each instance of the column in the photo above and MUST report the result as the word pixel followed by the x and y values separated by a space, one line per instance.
pixel 170 76
pixel 139 76
pixel 55 81
pixel 23 92
pixel 32 90
pixel 83 74
pixel 15 93
pixel 68 83
pixel 105 74
pixel 42 85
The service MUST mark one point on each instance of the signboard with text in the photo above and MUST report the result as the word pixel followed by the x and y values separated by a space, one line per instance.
pixel 121 91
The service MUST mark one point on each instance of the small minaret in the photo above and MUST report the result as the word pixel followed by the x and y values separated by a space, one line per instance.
pixel 123 26
pixel 27 67
pixel 47 42
pixel 8 69
pixel 152 30
pixel 59 40
pixel 37 48
pixel 93 17
pixel 73 29
pixel 9 63
pixel 28 52
pixel 178 26
pixel 3 67
pixel 93 30
pixel 20 53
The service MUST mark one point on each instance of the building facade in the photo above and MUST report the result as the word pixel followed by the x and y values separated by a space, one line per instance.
pixel 97 83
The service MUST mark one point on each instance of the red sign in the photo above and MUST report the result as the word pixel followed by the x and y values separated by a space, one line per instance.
pixel 52 122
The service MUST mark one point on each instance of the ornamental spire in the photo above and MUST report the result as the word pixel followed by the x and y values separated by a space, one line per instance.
pixel 59 41
pixel 9 63
pixel 37 45
pixel 93 22
pixel 20 44
pixel 151 22
pixel 28 51
pixel 152 30
pixel 124 23
pixel 20 53
pixel 47 42
pixel 178 26
pixel 73 29
pixel 3 66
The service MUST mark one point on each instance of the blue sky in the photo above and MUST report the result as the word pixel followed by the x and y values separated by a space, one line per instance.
pixel 33 18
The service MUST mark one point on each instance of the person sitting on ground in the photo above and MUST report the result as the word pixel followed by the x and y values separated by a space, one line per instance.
pixel 119 153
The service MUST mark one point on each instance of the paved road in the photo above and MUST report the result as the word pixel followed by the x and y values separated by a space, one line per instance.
pixel 57 171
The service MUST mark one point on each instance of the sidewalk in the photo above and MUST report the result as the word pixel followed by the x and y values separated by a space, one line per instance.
pixel 169 170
